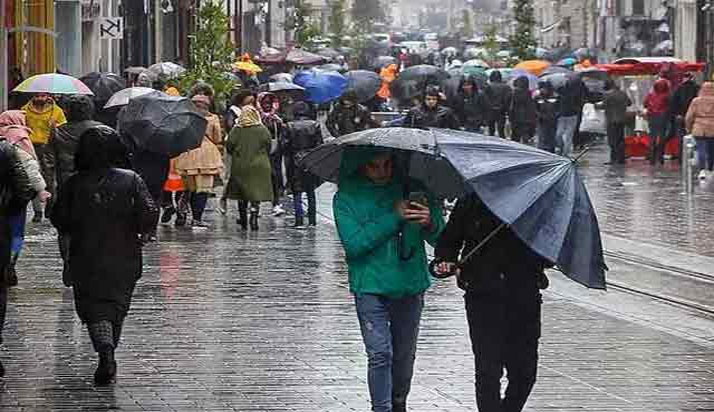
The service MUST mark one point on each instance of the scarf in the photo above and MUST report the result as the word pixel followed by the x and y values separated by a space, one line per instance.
pixel 14 129
pixel 249 117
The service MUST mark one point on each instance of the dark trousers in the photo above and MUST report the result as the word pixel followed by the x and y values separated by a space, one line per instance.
pixel 504 335
pixel 616 140
pixel 46 159
pixel 311 205
pixel 546 136
pixel 276 162
pixel 105 335
pixel 497 121
pixel 3 308
pixel 659 136
pixel 521 132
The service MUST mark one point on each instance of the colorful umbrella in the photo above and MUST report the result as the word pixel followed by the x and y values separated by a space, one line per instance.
pixel 53 83
pixel 321 87
pixel 247 66
pixel 535 67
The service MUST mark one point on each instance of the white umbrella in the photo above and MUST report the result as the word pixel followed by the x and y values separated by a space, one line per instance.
pixel 476 63
pixel 166 69
pixel 122 97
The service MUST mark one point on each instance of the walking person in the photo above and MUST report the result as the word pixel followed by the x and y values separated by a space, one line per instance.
pixel 42 115
pixel 302 135
pixel 522 112
pixel 14 130
pixel 269 105
pixel 498 96
pixel 503 302
pixel 547 105
pixel 615 104
pixel 572 99
pixel 105 212
pixel 199 167
pixel 679 105
pixel 383 236
pixel 700 123
pixel 240 98
pixel 431 113
pixel 657 111
pixel 15 192
pixel 472 106
pixel 251 173
pixel 348 116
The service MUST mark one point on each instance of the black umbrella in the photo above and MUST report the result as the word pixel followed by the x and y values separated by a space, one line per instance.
pixel 364 82
pixel 103 85
pixel 292 89
pixel 412 81
pixel 163 124
pixel 383 61
pixel 559 80
pixel 538 195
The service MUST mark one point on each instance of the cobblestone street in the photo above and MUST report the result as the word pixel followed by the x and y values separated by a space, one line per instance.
pixel 225 320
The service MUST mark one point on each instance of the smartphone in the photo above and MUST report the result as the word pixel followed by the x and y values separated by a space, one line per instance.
pixel 419 197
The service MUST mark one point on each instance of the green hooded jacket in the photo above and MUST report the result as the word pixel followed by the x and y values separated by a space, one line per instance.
pixel 369 229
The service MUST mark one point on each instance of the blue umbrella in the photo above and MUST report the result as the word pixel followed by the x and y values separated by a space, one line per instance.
pixel 537 195
pixel 567 62
pixel 321 87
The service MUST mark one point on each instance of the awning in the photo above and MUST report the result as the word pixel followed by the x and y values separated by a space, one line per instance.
pixel 550 27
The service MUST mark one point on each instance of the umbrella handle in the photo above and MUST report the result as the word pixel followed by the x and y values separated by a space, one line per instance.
pixel 432 270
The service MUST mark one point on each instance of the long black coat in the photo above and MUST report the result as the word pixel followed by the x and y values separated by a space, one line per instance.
pixel 420 117
pixel 64 143
pixel 103 212
pixel 15 191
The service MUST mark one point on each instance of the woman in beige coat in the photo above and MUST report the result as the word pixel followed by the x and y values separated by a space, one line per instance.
pixel 199 167
pixel 700 123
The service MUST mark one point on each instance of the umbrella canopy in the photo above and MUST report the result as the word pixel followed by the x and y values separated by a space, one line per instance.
pixel 474 71
pixel 327 52
pixel 321 87
pixel 364 82
pixel 505 73
pixel 559 80
pixel 554 70
pixel 163 124
pixel 299 56
pixel 383 61
pixel 424 73
pixel 281 77
pixel 292 89
pixel 135 69
pixel 331 67
pixel 538 195
pixel 166 70
pixel 567 62
pixel 53 83
pixel 247 66
pixel 103 85
pixel 476 63
pixel 122 97
pixel 474 53
pixel 449 50
pixel 535 67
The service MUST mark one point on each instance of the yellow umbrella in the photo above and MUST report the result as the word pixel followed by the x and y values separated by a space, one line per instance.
pixel 247 66
pixel 535 67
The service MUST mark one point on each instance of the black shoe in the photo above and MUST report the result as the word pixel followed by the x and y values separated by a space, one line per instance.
pixel 399 407
pixel 66 276
pixel 253 221
pixel 299 223
pixel 180 220
pixel 168 214
pixel 39 216
pixel 11 276
pixel 2 370
pixel 107 369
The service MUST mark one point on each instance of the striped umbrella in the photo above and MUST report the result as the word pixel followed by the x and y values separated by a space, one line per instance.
pixel 53 83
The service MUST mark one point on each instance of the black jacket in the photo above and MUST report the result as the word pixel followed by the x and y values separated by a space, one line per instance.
pixel 472 109
pixel 64 143
pixel 15 191
pixel 498 96
pixel 572 97
pixel 103 212
pixel 302 135
pixel 548 108
pixel 503 267
pixel 522 109
pixel 343 120
pixel 682 98
pixel 420 117
pixel 615 104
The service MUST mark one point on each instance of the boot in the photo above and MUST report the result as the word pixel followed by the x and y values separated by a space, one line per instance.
pixel 168 214
pixel 180 219
pixel 11 272
pixel 312 220
pixel 254 220
pixel 399 407
pixel 299 223
pixel 107 368
pixel 242 219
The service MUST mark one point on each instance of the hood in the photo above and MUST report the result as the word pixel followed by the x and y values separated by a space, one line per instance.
pixel 275 106
pixel 12 118
pixel 249 117
pixel 79 108
pixel 100 147
pixel 355 157
pixel 29 107
pixel 495 77
pixel 12 127
pixel 661 86
pixel 707 90
pixel 521 83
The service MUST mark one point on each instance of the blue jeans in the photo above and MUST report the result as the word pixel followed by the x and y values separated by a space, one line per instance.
pixel 705 153
pixel 390 328
pixel 17 232
pixel 311 204
pixel 564 134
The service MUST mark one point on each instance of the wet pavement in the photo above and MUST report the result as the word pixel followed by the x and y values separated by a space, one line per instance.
pixel 227 320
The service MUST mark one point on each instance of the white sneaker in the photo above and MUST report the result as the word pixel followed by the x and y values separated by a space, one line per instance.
pixel 703 174
pixel 278 211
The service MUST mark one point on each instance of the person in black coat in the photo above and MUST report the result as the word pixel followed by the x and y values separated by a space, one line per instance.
pixel 348 116
pixel 615 104
pixel 431 113
pixel 547 105
pixel 472 106
pixel 498 96
pixel 502 282
pixel 302 135
pixel 522 112
pixel 16 191
pixel 679 104
pixel 105 212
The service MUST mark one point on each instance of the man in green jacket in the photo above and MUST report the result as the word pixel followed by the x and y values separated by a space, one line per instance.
pixel 383 236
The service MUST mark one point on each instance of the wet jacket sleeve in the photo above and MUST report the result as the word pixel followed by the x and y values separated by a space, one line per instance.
pixel 449 245
pixel 145 211
pixel 22 190
pixel 360 237
pixel 691 116
pixel 61 212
